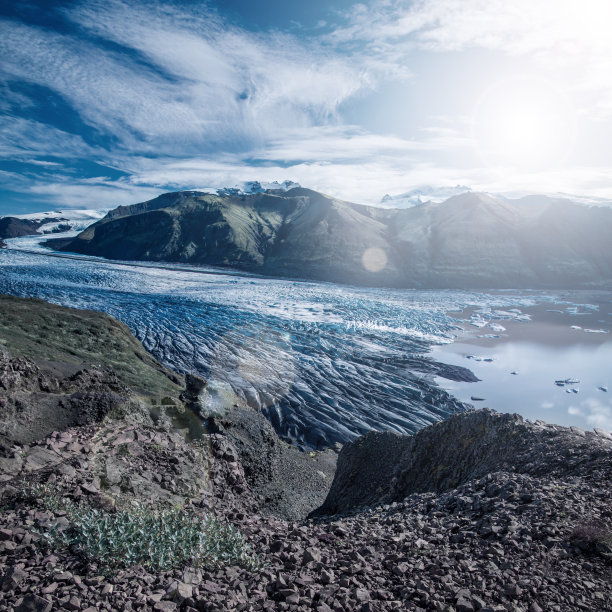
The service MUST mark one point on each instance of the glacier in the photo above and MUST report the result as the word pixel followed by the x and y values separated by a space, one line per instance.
pixel 324 362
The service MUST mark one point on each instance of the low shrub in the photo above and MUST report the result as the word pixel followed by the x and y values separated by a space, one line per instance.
pixel 594 535
pixel 158 539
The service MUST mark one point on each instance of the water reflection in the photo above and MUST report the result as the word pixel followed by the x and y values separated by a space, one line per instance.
pixel 532 391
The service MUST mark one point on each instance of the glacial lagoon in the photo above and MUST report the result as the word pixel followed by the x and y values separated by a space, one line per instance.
pixel 327 362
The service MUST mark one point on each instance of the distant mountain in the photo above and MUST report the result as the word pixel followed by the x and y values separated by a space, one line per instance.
pixel 471 240
pixel 50 222
pixel 422 195
pixel 257 187
pixel 13 227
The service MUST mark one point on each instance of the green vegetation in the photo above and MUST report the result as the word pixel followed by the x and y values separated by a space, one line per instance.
pixel 160 539
pixel 54 336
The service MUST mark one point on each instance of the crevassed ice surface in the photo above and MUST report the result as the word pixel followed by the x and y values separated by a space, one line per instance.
pixel 324 362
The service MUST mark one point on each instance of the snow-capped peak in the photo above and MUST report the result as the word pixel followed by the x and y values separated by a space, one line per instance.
pixel 249 187
pixel 67 219
pixel 422 195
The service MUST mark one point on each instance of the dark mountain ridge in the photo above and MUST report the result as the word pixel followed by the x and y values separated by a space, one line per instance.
pixel 472 240
pixel 14 227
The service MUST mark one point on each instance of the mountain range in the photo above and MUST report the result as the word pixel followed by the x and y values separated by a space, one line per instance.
pixel 471 240
pixel 51 222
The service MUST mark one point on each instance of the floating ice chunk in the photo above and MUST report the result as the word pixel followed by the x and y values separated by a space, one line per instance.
pixel 514 373
pixel 572 390
pixel 488 336
pixel 478 323
pixel 505 314
pixel 497 327
pixel 554 310
pixel 477 399
pixel 575 327
pixel 572 381
pixel 596 331
pixel 560 383
pixel 603 388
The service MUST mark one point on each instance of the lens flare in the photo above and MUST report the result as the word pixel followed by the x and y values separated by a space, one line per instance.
pixel 374 259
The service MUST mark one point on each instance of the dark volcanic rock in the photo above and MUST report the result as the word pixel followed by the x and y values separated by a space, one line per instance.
pixel 13 227
pixel 386 467
pixel 289 483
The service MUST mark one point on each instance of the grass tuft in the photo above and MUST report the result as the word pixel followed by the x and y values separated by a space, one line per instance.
pixel 157 539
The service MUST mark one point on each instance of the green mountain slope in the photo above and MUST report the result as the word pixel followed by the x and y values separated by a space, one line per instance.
pixel 470 241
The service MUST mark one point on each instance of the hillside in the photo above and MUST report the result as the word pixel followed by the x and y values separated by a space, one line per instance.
pixel 13 227
pixel 480 512
pixel 468 241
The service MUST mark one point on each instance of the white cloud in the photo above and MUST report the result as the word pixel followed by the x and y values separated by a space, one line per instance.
pixel 185 100
pixel 595 412
pixel 190 83
pixel 92 193
pixel 20 138
pixel 570 37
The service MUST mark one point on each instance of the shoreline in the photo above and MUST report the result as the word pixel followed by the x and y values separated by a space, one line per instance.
pixel 518 368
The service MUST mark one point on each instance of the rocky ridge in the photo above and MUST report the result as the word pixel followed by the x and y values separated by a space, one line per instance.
pixel 505 542
pixel 13 227
pixel 518 519
pixel 385 467
pixel 471 240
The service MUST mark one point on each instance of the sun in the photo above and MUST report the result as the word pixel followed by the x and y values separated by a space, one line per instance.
pixel 524 123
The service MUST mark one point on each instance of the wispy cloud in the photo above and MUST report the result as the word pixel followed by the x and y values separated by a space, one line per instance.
pixel 183 84
pixel 564 35
pixel 21 138
pixel 175 98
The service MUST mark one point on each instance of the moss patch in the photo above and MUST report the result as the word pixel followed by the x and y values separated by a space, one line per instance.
pixel 56 337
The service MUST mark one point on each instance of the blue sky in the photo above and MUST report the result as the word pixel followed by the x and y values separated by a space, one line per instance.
pixel 110 102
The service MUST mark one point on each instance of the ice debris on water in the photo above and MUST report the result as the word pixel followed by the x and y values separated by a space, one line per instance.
pixel 477 399
pixel 596 331
pixel 572 390
pixel 567 381
pixel 514 373
pixel 603 388
pixel 478 322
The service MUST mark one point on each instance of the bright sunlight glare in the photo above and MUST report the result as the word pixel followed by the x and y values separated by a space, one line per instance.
pixel 523 123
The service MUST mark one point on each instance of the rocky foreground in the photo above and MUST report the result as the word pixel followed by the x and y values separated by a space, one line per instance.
pixel 480 512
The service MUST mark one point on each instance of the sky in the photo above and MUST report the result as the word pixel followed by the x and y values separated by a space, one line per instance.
pixel 110 102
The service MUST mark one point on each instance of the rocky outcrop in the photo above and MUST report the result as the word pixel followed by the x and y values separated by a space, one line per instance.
pixel 13 227
pixel 61 367
pixel 503 542
pixel 517 519
pixel 34 402
pixel 289 483
pixel 384 467
pixel 469 241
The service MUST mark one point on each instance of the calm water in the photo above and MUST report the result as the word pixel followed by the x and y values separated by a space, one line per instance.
pixel 325 362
